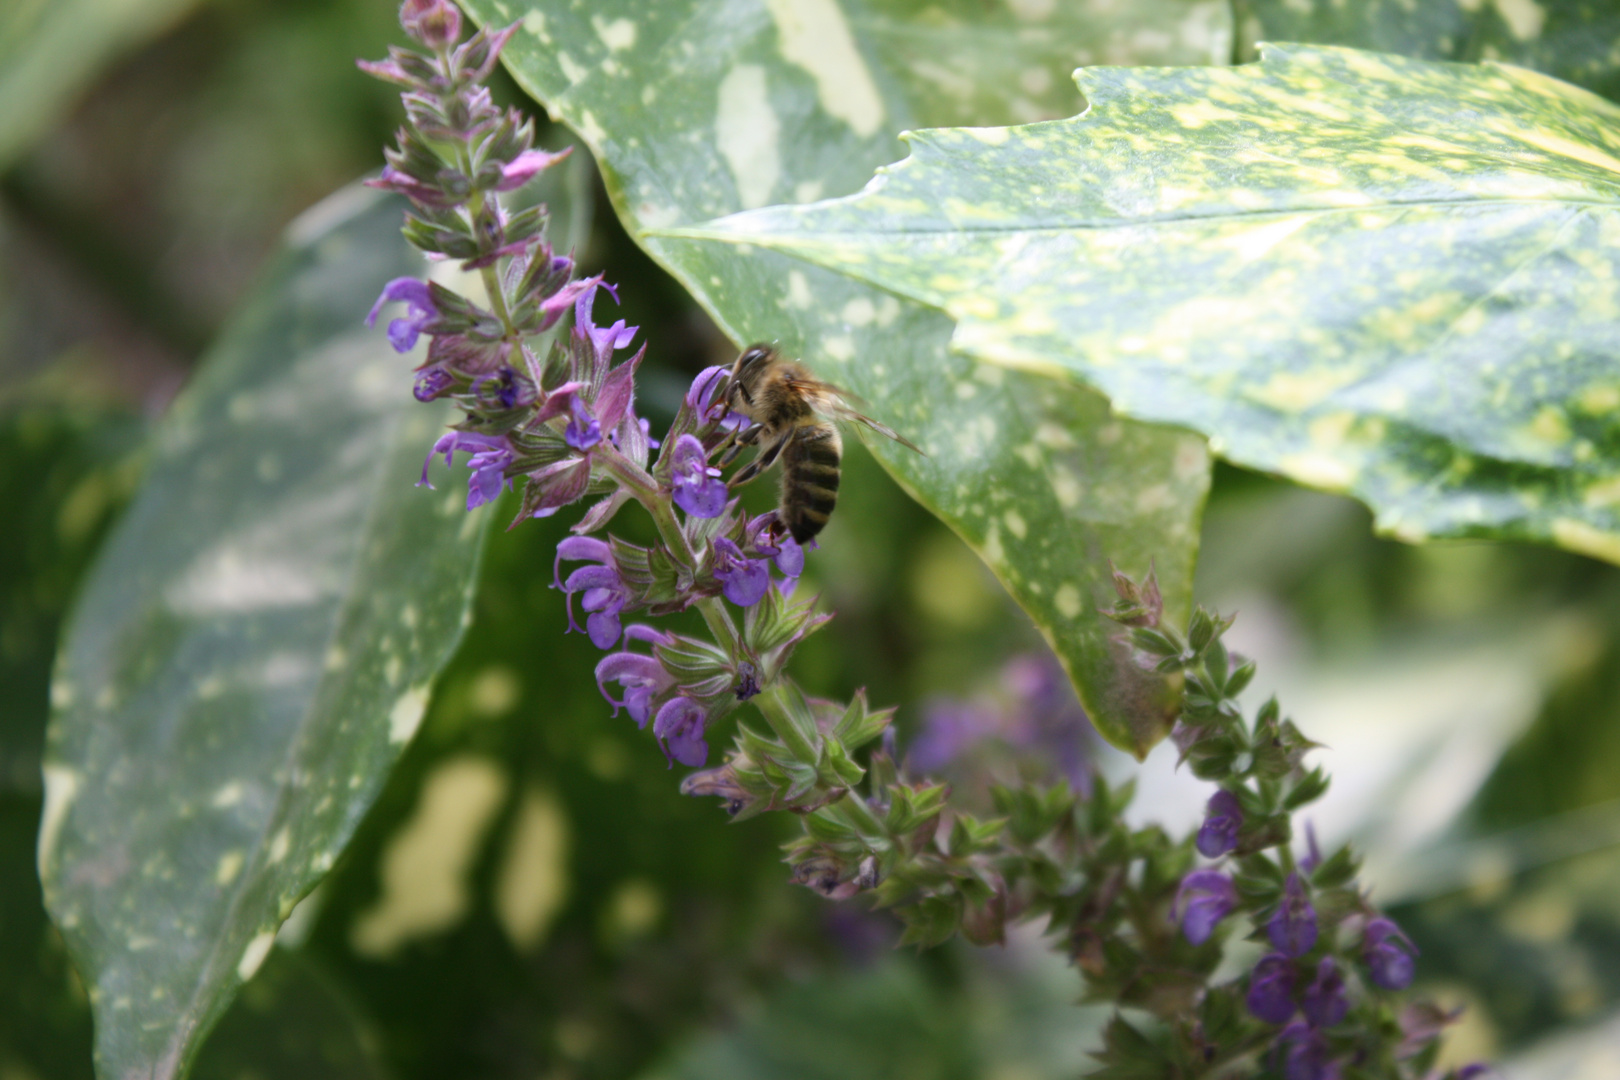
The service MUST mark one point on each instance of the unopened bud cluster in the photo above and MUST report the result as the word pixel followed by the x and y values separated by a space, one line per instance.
pixel 1132 907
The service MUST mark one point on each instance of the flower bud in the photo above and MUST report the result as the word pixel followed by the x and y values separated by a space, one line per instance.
pixel 435 23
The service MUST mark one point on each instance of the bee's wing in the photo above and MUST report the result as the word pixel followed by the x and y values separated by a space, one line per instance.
pixel 830 400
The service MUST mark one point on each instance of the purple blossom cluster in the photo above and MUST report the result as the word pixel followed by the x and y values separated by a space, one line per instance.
pixel 560 426
pixel 1304 984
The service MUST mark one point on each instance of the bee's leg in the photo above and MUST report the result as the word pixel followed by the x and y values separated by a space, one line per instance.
pixel 767 458
pixel 746 437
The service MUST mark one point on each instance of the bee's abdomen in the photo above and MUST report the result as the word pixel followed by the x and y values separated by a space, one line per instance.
pixel 810 479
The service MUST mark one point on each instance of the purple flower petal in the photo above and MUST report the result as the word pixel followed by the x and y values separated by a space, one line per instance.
pixel 579 549
pixel 431 382
pixel 1292 928
pixel 1204 899
pixel 746 585
pixel 1389 955
pixel 1271 989
pixel 1325 1002
pixel 697 488
pixel 584 430
pixel 700 399
pixel 604 628
pixel 523 168
pixel 634 672
pixel 790 560
pixel 418 298
pixel 487 455
pixel 1224 817
pixel 679 725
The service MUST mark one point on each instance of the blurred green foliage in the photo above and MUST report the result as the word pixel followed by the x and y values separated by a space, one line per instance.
pixel 667 942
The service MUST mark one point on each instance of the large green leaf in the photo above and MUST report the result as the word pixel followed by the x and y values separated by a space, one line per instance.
pixel 253 648
pixel 1572 39
pixel 51 49
pixel 1385 277
pixel 697 108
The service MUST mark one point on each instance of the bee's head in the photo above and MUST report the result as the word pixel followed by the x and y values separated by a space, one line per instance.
pixel 753 362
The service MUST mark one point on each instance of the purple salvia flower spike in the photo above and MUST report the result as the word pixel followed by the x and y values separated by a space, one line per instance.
pixel 1222 821
pixel 697 488
pixel 1292 928
pixel 1271 989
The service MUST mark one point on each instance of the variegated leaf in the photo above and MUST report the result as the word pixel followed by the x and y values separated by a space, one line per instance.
pixel 1390 278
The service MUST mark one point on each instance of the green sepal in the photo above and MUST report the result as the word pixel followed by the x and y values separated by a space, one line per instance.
pixel 860 725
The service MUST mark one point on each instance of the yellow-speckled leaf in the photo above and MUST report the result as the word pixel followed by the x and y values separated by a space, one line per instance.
pixel 1572 39
pixel 1386 277
pixel 697 108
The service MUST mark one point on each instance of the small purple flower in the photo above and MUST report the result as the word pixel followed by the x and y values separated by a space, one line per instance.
pixel 523 168
pixel 488 458
pixel 584 430
pixel 642 677
pixel 1389 953
pixel 605 592
pixel 1326 1002
pixel 419 311
pixel 743 580
pixel 1271 989
pixel 698 488
pixel 1305 1054
pixel 700 399
pixel 679 726
pixel 1469 1072
pixel 1223 818
pixel 431 382
pixel 604 340
pixel 1204 899
pixel 1292 928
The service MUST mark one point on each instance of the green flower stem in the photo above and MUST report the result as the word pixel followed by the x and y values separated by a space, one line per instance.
pixel 773 706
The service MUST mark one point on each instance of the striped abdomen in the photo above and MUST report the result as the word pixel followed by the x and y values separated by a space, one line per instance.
pixel 810 479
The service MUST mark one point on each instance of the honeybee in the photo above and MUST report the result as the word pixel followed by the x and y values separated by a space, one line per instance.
pixel 793 413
